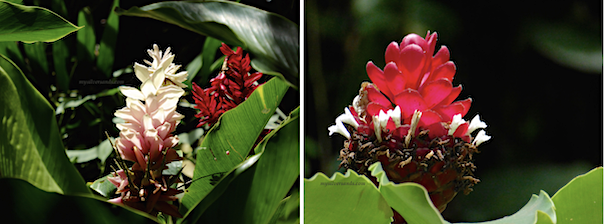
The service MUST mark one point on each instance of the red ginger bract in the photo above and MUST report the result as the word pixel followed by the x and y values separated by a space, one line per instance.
pixel 414 80
pixel 233 85
pixel 407 120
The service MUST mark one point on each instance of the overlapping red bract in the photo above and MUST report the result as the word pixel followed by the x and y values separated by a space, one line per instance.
pixel 229 88
pixel 414 79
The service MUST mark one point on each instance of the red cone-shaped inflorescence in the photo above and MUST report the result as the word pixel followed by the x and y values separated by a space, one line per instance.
pixel 229 88
pixel 146 136
pixel 408 120
pixel 413 79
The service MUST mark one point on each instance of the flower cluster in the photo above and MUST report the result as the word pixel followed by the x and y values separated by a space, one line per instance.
pixel 408 120
pixel 229 88
pixel 145 138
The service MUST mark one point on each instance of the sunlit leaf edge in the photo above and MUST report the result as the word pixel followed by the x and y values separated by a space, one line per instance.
pixel 33 38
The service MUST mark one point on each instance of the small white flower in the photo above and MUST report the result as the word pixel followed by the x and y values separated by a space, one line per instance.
pixel 380 121
pixel 377 128
pixel 417 115
pixel 480 138
pixel 475 124
pixel 348 118
pixel 383 119
pixel 356 104
pixel 339 126
pixel 395 115
pixel 275 121
pixel 455 123
pixel 340 129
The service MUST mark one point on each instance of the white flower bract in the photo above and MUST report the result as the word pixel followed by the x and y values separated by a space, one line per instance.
pixel 475 124
pixel 339 127
pixel 455 123
pixel 480 138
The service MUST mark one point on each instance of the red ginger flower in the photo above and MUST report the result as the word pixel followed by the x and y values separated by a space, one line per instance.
pixel 229 88
pixel 407 120
pixel 414 80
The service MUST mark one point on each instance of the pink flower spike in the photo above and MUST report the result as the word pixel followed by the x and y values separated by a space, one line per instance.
pixel 394 79
pixel 431 42
pixel 429 117
pixel 447 112
pixel 451 97
pixel 409 101
pixel 413 60
pixel 377 77
pixel 461 130
pixel 436 130
pixel 124 147
pixel 444 71
pixel 414 39
pixel 441 57
pixel 140 158
pixel 392 53
pixel 376 96
pixel 435 92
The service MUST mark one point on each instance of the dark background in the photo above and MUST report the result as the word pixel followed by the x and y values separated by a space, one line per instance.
pixel 532 68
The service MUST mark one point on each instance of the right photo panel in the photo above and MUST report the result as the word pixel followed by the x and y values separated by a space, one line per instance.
pixel 452 111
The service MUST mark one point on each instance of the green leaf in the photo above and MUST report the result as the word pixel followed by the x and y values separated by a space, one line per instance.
pixel 107 47
pixel 256 193
pixel 190 137
pixel 101 151
pixel 271 39
pixel 60 56
pixel 221 186
pixel 31 24
pixel 411 200
pixel 28 204
pixel 288 210
pixel 544 218
pixel 173 168
pixel 11 50
pixel 518 183
pixel 16 1
pixel 201 66
pixel 580 201
pixel 210 46
pixel 349 198
pixel 538 208
pixel 194 66
pixel 36 53
pixel 103 186
pixel 236 132
pixel 86 37
pixel 30 145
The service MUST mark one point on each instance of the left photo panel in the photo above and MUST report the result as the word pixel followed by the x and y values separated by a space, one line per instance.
pixel 150 111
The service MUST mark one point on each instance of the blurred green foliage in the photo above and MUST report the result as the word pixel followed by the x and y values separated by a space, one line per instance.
pixel 533 70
